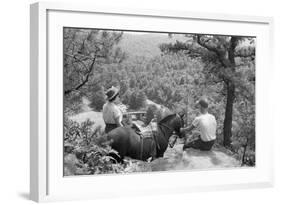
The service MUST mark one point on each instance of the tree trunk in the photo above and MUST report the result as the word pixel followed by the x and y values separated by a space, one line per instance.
pixel 227 125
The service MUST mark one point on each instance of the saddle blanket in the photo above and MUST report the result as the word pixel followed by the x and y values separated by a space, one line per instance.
pixel 145 131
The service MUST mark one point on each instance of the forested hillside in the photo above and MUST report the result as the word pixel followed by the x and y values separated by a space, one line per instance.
pixel 172 71
pixel 145 45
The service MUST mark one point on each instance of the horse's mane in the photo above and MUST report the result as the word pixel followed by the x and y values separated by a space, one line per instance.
pixel 165 119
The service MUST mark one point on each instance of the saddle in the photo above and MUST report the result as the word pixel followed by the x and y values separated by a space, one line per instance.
pixel 144 133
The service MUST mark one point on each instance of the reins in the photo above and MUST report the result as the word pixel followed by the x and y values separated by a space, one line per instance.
pixel 169 128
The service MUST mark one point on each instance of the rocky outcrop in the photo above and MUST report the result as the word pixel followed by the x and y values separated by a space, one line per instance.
pixel 190 159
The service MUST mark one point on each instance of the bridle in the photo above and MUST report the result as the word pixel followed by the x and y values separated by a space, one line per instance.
pixel 171 129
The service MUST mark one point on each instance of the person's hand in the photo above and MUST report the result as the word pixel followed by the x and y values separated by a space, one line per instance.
pixel 181 130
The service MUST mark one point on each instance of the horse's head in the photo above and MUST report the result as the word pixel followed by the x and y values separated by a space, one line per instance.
pixel 167 126
pixel 179 123
pixel 174 122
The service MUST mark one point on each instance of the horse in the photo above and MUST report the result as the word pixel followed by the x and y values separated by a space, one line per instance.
pixel 127 142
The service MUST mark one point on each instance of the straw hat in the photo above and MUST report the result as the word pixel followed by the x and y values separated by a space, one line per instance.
pixel 112 92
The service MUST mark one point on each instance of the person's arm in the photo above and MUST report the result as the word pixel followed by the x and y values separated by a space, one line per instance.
pixel 118 117
pixel 187 129
pixel 118 122
pixel 193 125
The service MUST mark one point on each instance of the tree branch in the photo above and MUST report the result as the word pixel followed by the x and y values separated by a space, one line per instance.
pixel 203 44
pixel 212 49
pixel 66 92
pixel 77 59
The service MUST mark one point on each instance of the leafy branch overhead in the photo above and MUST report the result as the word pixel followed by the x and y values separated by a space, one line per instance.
pixel 224 56
pixel 84 50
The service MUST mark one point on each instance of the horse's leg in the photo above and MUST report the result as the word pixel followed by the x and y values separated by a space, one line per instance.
pixel 153 150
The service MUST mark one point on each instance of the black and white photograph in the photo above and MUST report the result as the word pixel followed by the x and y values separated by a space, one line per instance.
pixel 143 101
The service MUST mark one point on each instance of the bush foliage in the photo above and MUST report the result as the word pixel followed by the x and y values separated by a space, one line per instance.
pixel 86 152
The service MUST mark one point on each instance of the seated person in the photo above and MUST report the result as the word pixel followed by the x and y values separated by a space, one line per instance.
pixel 206 125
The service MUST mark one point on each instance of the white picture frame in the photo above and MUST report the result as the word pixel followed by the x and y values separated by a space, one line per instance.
pixel 46 175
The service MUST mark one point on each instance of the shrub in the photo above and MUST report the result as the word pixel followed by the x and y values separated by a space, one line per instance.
pixel 86 151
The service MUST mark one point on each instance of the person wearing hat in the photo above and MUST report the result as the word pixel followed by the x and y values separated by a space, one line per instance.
pixel 206 124
pixel 112 115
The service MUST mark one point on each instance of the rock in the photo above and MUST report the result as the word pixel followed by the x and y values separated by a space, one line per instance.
pixel 177 159
pixel 208 159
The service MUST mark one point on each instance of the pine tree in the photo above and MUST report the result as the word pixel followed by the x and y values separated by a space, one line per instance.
pixel 221 55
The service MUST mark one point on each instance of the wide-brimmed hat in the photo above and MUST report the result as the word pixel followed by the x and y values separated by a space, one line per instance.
pixel 112 92
pixel 203 102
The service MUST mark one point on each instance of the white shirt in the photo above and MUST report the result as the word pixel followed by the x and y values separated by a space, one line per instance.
pixel 110 112
pixel 207 125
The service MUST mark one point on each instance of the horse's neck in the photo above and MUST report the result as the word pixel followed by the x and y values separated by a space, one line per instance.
pixel 166 130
